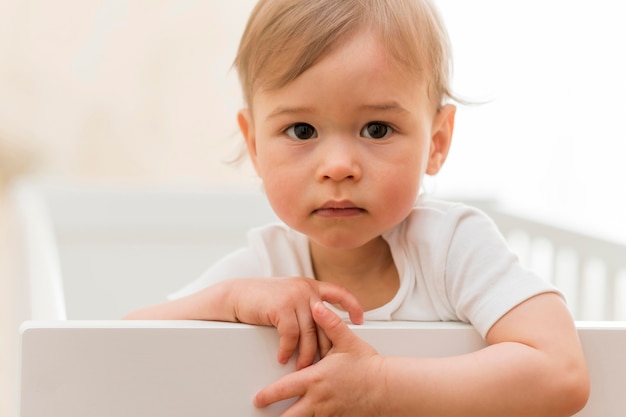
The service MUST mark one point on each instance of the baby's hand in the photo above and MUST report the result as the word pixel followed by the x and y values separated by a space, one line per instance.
pixel 286 304
pixel 343 383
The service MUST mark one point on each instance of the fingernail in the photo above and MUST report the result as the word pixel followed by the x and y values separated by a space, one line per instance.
pixel 320 307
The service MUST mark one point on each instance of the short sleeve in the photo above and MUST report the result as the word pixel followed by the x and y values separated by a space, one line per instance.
pixel 241 263
pixel 273 251
pixel 483 277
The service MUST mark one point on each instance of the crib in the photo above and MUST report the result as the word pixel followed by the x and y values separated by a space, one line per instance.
pixel 98 253
pixel 91 254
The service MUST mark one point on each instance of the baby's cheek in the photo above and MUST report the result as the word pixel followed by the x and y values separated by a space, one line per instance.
pixel 283 197
pixel 400 199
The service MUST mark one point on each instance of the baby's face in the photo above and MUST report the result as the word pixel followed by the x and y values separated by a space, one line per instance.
pixel 342 149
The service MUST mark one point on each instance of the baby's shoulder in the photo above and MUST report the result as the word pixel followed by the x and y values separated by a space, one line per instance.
pixel 436 211
pixel 434 220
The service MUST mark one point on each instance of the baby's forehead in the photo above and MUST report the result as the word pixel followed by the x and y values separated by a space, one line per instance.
pixel 372 45
pixel 289 63
pixel 278 46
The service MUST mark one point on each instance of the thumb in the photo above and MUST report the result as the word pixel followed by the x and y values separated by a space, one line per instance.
pixel 331 324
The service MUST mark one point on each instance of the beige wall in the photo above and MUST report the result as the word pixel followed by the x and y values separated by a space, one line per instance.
pixel 120 90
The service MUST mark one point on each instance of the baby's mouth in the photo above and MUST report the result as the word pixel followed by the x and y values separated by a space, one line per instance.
pixel 343 208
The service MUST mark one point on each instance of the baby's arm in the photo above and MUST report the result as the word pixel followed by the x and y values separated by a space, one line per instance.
pixel 534 366
pixel 284 303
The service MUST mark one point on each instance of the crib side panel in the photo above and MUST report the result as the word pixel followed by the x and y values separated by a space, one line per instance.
pixel 200 368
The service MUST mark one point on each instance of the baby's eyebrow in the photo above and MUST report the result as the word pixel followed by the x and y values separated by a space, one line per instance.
pixel 391 106
pixel 281 111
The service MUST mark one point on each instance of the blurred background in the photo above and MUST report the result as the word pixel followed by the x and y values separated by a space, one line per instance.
pixel 118 91
pixel 138 92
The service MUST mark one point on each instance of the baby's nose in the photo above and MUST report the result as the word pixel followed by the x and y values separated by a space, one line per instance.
pixel 339 160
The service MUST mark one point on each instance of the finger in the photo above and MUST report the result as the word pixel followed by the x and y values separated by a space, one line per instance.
pixel 289 332
pixel 300 407
pixel 323 342
pixel 307 344
pixel 289 386
pixel 336 294
pixel 331 324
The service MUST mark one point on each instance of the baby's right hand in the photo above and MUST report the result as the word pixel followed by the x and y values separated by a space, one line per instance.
pixel 286 304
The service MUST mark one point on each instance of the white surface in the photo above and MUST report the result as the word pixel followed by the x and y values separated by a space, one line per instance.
pixel 162 368
pixel 77 369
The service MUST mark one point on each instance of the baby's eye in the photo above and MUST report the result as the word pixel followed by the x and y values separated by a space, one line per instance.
pixel 376 130
pixel 301 131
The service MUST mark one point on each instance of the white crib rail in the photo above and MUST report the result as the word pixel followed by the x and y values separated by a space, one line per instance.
pixel 45 297
pixel 590 271
pixel 120 368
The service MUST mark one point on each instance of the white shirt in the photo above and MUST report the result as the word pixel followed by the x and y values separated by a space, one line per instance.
pixel 453 264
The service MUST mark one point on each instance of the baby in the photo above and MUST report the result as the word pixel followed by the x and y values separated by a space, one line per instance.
pixel 348 107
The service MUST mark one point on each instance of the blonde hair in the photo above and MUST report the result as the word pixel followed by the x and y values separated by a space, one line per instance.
pixel 283 38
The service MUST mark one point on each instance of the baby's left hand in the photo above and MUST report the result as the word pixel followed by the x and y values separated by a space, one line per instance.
pixel 344 382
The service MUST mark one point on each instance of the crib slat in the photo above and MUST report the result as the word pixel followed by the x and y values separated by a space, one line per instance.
pixel 611 294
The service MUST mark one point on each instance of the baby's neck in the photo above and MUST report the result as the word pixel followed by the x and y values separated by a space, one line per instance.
pixel 367 272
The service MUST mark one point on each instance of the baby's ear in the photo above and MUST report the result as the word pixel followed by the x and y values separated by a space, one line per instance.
pixel 443 125
pixel 246 126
